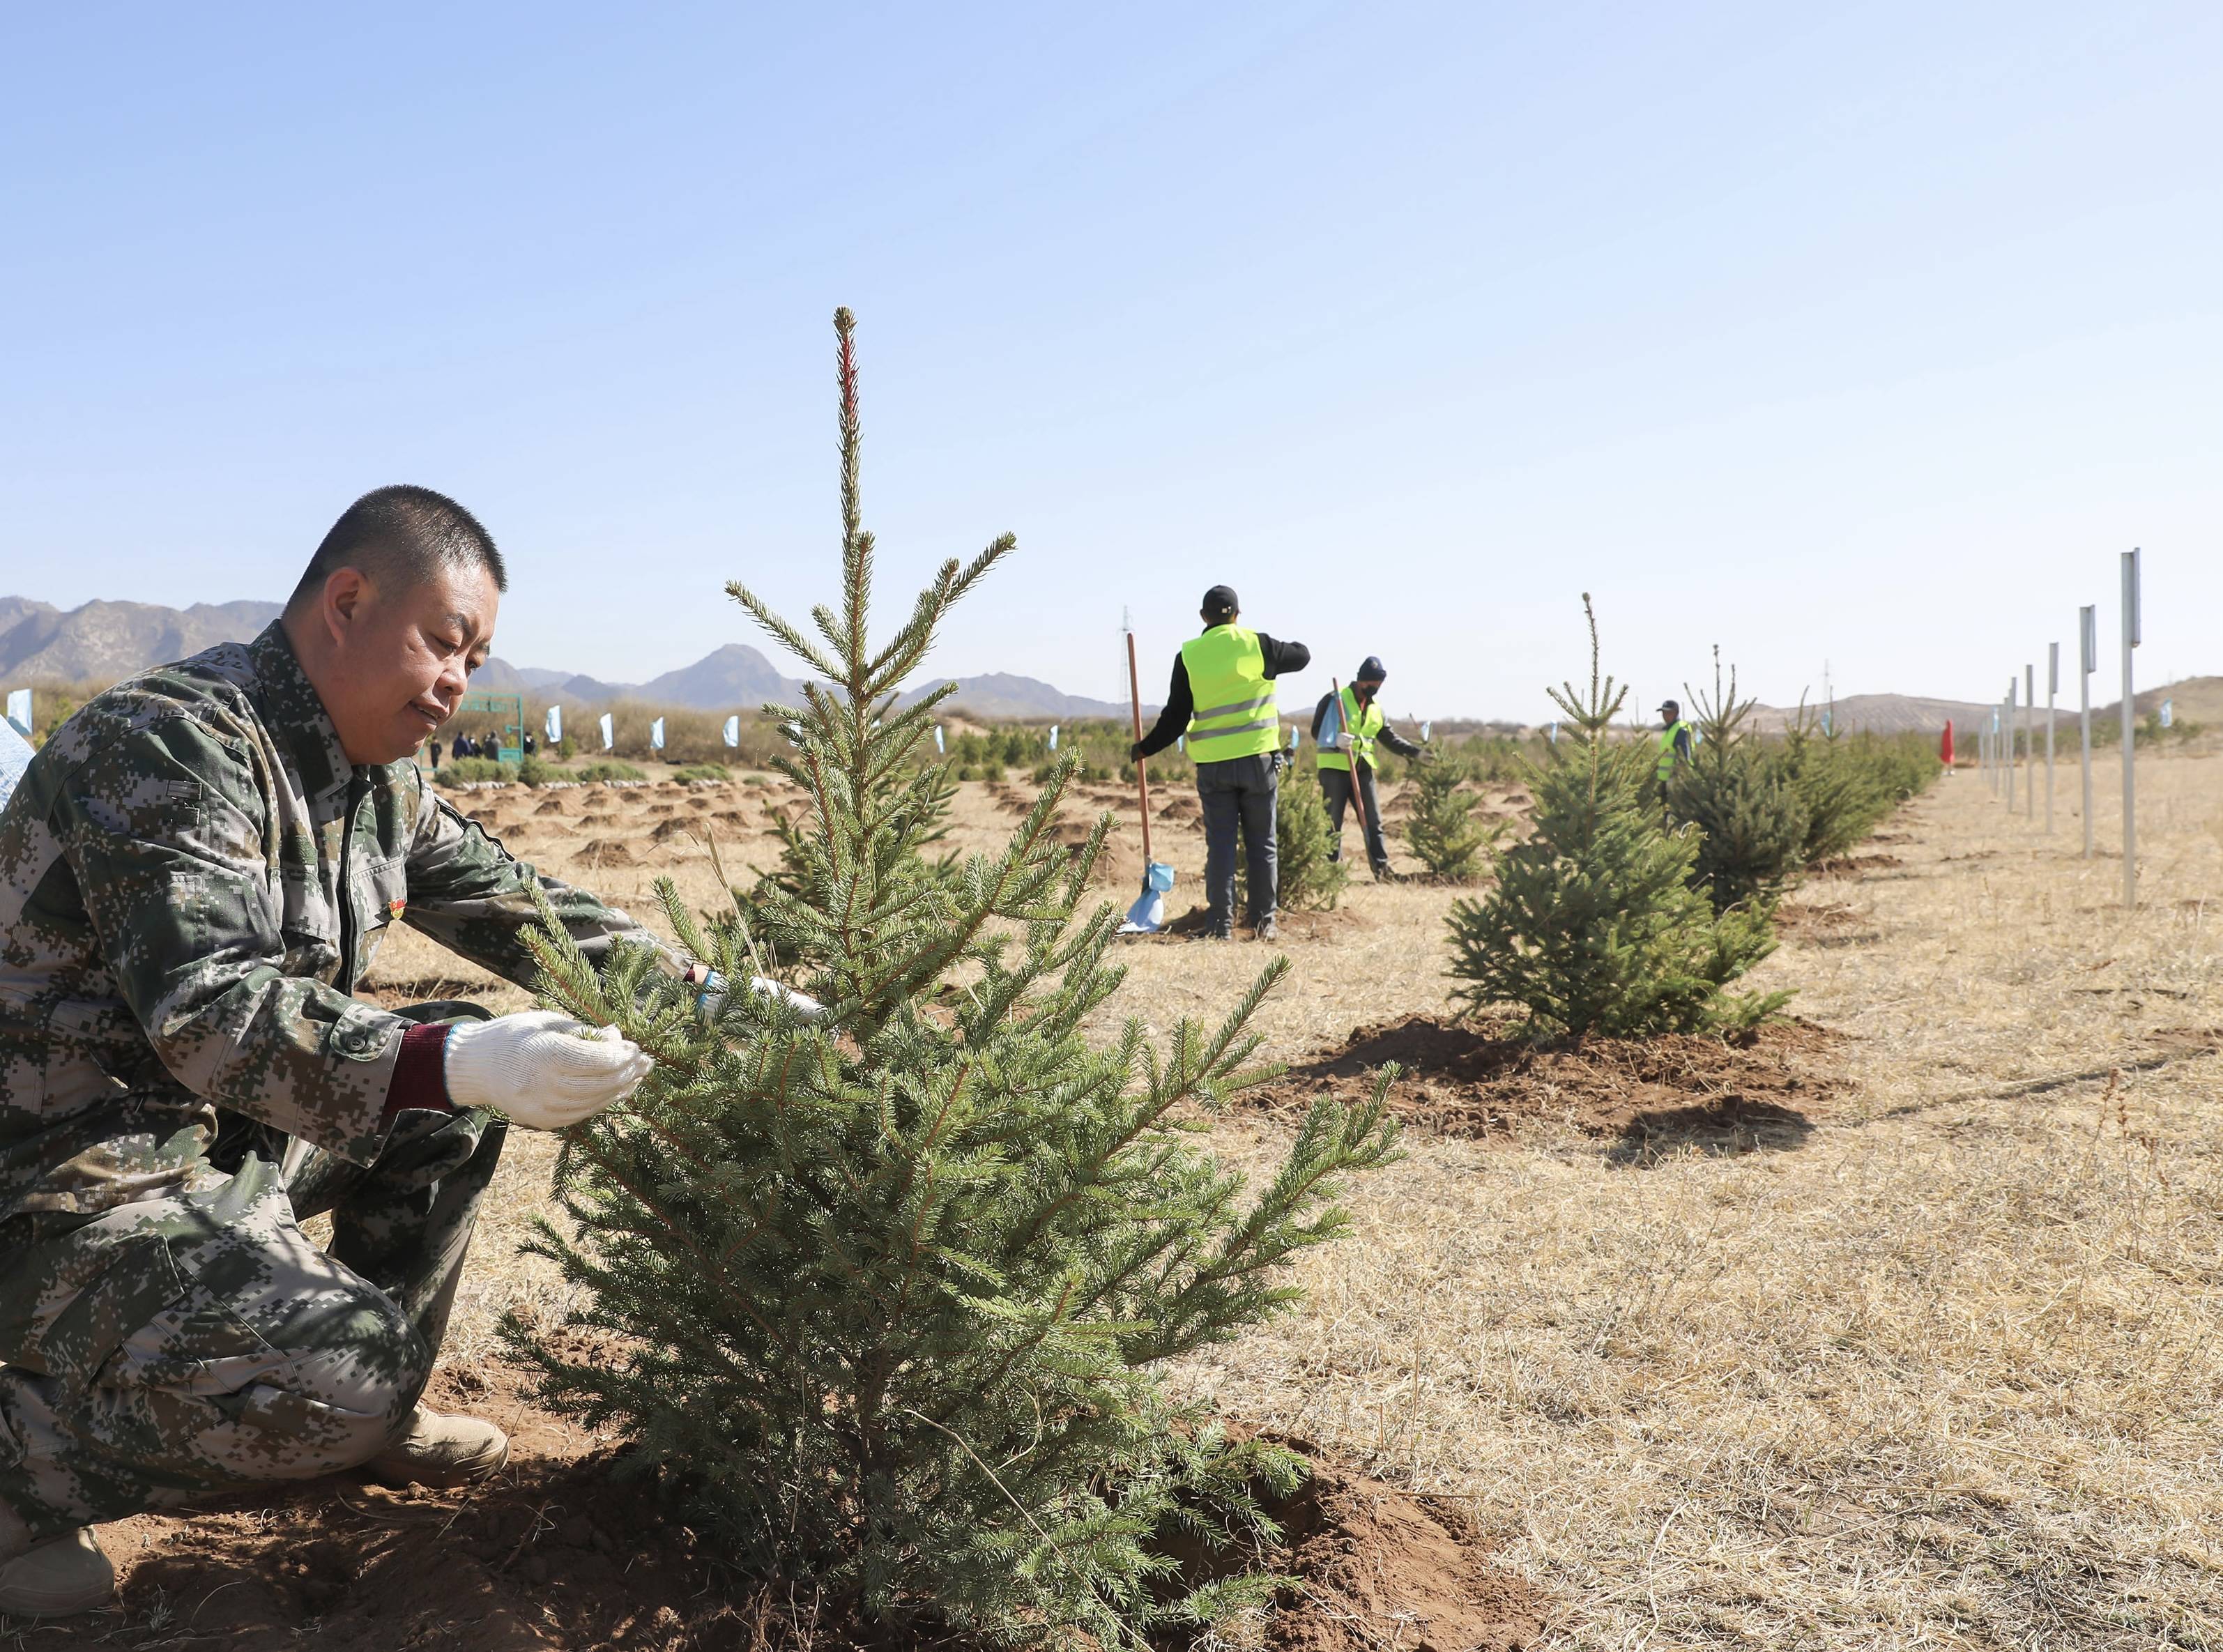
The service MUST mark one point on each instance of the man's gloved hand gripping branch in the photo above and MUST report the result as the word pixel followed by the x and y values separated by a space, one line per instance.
pixel 542 1068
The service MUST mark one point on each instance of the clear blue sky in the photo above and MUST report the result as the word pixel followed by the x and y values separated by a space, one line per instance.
pixel 1868 334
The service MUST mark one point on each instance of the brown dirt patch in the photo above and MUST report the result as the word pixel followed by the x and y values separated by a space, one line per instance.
pixel 1796 917
pixel 555 1553
pixel 600 852
pixel 1380 1568
pixel 553 806
pixel 682 827
pixel 1647 1095
pixel 1851 866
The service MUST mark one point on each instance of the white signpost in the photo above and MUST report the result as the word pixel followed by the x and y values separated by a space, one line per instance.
pixel 2010 721
pixel 2029 741
pixel 19 710
pixel 2130 733
pixel 733 732
pixel 609 732
pixel 2087 661
pixel 2052 692
pixel 552 726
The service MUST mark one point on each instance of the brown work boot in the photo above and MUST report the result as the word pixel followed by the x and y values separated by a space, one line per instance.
pixel 439 1450
pixel 51 1577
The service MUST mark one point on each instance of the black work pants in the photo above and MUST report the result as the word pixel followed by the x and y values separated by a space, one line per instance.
pixel 1335 786
pixel 1239 795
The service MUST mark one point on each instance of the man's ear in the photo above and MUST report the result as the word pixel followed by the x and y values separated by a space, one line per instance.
pixel 347 599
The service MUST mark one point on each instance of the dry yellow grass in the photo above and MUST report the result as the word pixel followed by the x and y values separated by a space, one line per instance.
pixel 1946 1374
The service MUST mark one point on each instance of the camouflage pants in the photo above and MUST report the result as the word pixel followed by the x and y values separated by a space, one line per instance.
pixel 201 1343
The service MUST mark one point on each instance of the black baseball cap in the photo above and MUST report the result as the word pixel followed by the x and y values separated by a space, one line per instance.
pixel 1370 670
pixel 1669 705
pixel 1220 603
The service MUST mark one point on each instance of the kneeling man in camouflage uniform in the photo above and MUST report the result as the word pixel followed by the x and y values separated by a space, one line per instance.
pixel 194 872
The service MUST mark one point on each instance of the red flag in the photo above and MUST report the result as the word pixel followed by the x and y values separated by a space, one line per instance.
pixel 1945 746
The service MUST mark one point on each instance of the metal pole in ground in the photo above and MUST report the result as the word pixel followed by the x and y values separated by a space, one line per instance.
pixel 2088 637
pixel 2130 733
pixel 2010 721
pixel 2052 692
pixel 2030 742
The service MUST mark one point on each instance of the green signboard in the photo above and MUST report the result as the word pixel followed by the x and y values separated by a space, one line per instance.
pixel 501 715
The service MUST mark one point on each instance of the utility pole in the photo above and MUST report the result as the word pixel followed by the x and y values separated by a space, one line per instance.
pixel 2088 637
pixel 2052 691
pixel 2130 733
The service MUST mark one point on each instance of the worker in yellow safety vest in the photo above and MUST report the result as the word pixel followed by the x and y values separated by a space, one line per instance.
pixel 1222 697
pixel 1347 733
pixel 1675 742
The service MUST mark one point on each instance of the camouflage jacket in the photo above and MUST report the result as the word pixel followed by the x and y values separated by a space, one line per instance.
pixel 192 880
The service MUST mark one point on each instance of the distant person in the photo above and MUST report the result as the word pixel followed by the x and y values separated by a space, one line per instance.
pixel 1222 697
pixel 1350 751
pixel 531 745
pixel 436 757
pixel 463 746
pixel 1675 742
pixel 194 873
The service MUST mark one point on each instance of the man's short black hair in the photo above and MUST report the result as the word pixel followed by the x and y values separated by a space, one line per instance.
pixel 402 535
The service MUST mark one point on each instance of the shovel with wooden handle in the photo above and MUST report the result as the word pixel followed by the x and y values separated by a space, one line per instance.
pixel 1148 915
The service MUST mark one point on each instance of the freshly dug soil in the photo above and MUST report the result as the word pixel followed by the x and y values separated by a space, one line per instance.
pixel 1649 1096
pixel 606 852
pixel 556 1554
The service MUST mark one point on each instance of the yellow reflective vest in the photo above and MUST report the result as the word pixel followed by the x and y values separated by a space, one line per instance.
pixel 1361 725
pixel 1667 748
pixel 1235 714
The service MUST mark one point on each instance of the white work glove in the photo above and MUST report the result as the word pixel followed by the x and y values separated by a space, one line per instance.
pixel 1346 741
pixel 544 1069
pixel 712 997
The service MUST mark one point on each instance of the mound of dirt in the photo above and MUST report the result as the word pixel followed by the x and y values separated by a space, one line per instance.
pixel 666 830
pixel 1378 1567
pixel 600 852
pixel 553 806
pixel 1649 1096
pixel 555 1553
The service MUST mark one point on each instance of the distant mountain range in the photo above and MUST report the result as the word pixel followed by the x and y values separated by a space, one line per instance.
pixel 103 641
pixel 1876 714
pixel 106 641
